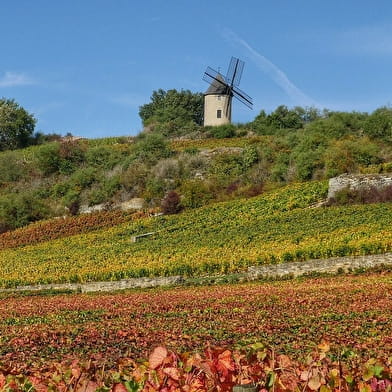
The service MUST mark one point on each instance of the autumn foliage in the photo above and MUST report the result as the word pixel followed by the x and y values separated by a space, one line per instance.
pixel 216 369
pixel 325 334
pixel 64 227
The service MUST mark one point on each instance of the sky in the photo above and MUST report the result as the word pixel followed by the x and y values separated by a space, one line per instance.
pixel 86 66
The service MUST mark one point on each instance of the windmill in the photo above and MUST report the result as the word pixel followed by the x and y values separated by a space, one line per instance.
pixel 218 97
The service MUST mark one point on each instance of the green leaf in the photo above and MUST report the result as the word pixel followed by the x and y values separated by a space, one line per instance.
pixel 368 374
pixel 132 386
pixel 271 377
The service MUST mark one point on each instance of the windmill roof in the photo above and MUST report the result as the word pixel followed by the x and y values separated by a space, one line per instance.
pixel 219 88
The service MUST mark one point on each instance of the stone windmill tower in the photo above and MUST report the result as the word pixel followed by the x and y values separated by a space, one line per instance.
pixel 218 97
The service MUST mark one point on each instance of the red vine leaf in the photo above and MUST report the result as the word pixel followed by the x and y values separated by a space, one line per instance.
pixel 157 357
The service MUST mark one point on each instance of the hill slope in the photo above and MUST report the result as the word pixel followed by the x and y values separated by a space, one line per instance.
pixel 225 237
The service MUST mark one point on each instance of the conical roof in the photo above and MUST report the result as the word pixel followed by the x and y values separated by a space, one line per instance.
pixel 218 87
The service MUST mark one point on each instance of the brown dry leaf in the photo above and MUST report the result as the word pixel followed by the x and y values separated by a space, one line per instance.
pixel 314 383
pixel 172 372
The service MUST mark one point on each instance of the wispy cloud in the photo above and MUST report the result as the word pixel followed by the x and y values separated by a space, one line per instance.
pixel 12 79
pixel 272 70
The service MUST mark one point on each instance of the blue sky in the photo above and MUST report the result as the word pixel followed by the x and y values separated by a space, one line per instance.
pixel 85 66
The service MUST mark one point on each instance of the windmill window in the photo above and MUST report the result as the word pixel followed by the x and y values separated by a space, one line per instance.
pixel 219 97
pixel 219 113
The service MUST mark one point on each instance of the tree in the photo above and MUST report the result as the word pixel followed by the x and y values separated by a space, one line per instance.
pixel 16 125
pixel 283 117
pixel 379 124
pixel 182 107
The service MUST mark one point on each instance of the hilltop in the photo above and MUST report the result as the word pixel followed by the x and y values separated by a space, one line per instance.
pixel 201 165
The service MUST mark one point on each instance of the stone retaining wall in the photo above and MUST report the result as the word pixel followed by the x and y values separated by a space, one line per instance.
pixel 105 286
pixel 358 182
pixel 331 266
pixel 294 269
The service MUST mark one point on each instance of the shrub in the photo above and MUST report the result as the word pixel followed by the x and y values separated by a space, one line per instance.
pixel 72 154
pixel 155 189
pixel 362 196
pixel 221 131
pixel 151 147
pixel 171 203
pixel 48 158
pixel 71 200
pixel 18 210
pixel 12 168
pixel 104 190
pixel 133 179
pixel 226 167
pixel 379 124
pixel 195 193
pixel 346 155
pixel 102 156
pixel 167 169
pixel 84 177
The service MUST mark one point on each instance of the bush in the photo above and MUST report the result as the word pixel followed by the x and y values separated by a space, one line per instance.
pixel 102 156
pixel 17 210
pixel 195 193
pixel 150 148
pixel 226 167
pixel 155 189
pixel 171 203
pixel 221 131
pixel 12 168
pixel 84 177
pixel 362 196
pixel 379 124
pixel 64 157
pixel 346 155
pixel 71 200
pixel 72 155
pixel 48 158
pixel 104 191
pixel 134 178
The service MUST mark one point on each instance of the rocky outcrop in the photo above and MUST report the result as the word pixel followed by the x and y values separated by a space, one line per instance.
pixel 211 152
pixel 137 203
pixel 358 183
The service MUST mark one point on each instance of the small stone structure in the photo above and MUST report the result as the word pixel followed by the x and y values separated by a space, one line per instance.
pixel 358 182
pixel 137 238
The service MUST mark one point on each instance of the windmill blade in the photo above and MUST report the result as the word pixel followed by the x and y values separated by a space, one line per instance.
pixel 215 78
pixel 234 72
pixel 243 97
pixel 228 105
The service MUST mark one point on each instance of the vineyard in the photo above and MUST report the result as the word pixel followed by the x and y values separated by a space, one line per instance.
pixel 324 334
pixel 42 231
pixel 221 238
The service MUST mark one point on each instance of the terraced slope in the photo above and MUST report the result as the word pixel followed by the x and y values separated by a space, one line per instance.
pixel 226 237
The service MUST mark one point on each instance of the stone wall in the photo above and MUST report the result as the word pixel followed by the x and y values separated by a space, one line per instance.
pixel 328 266
pixel 358 182
pixel 104 286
